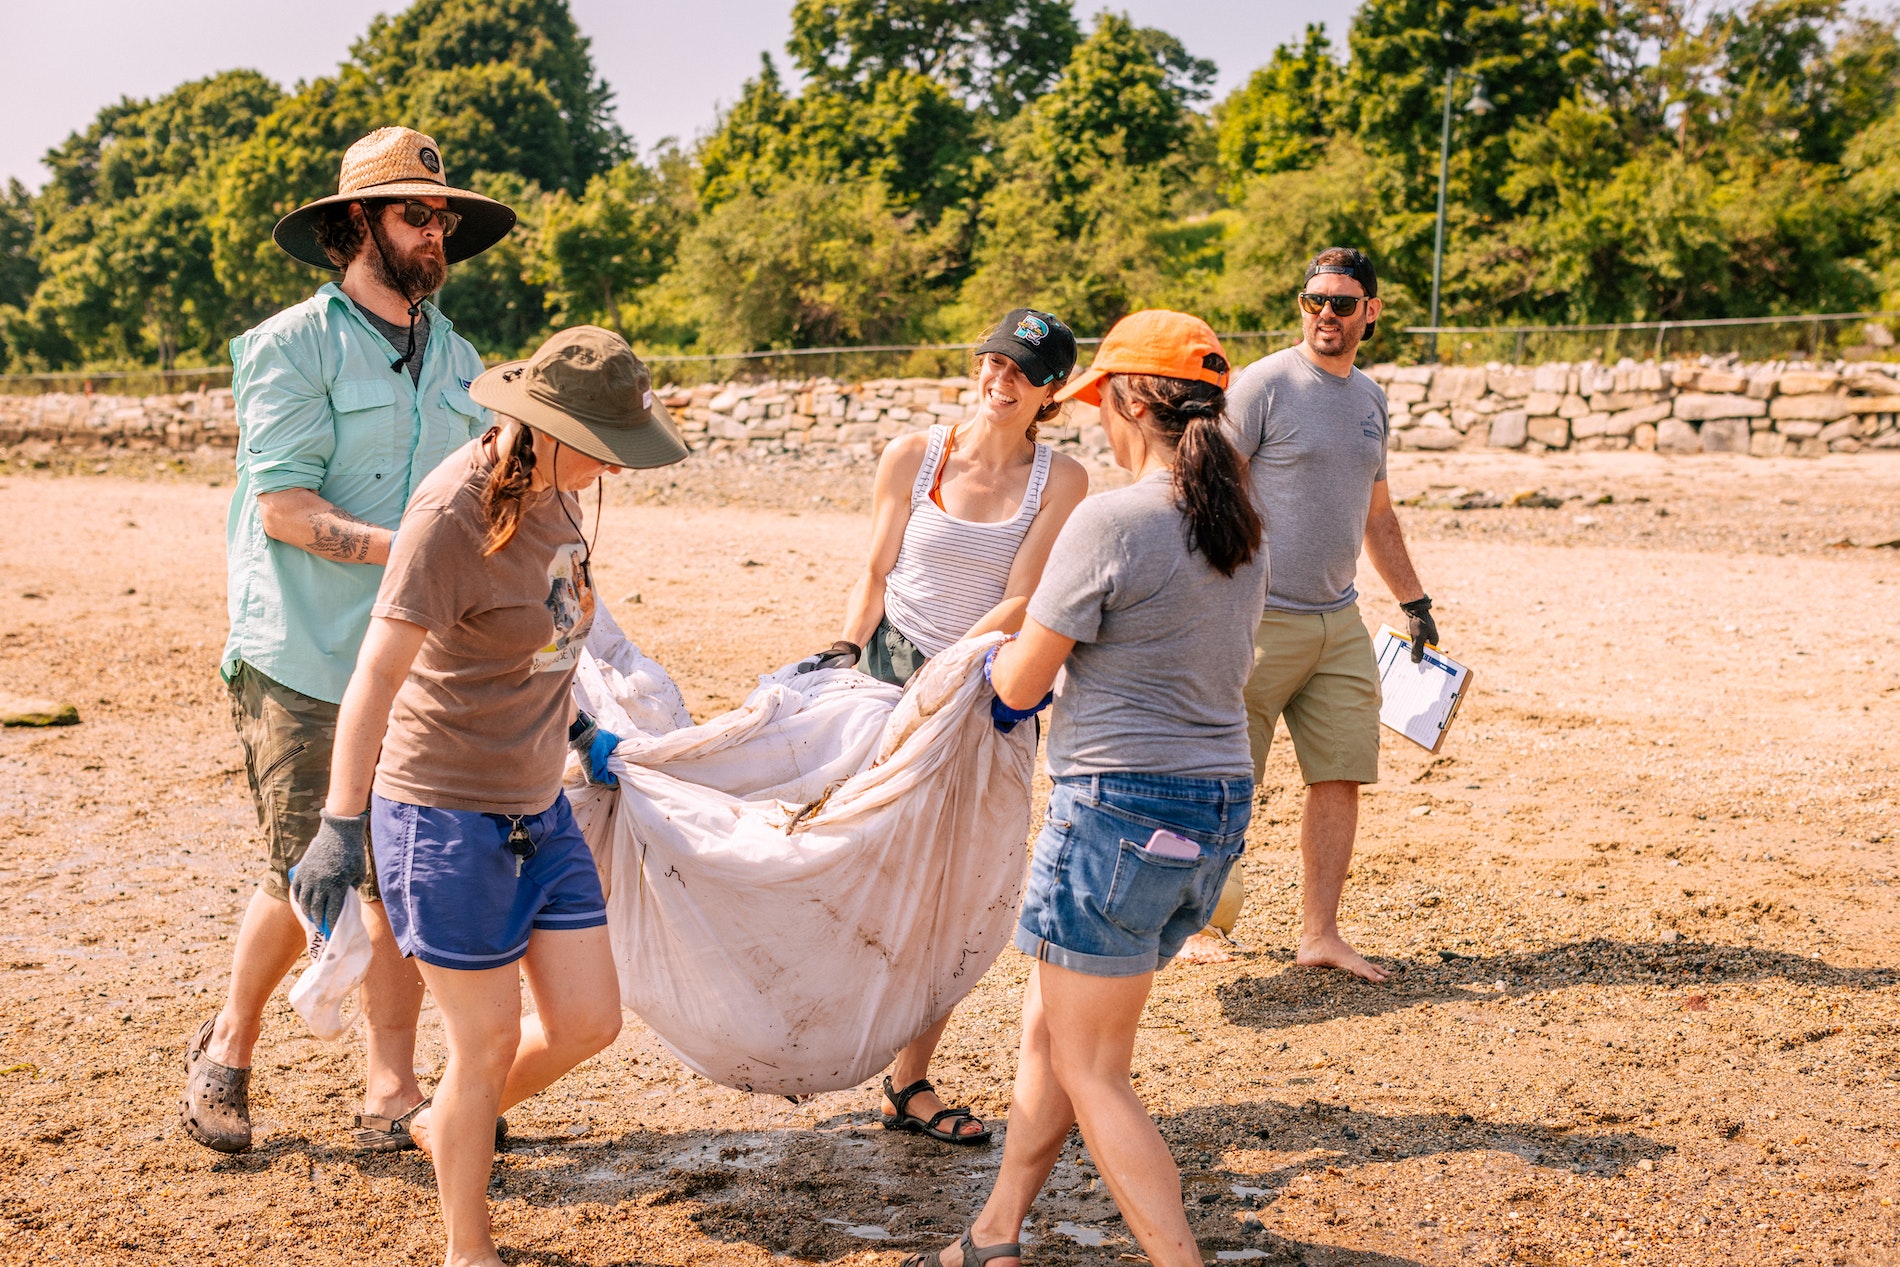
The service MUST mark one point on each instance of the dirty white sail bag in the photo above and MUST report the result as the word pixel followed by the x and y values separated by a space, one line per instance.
pixel 798 888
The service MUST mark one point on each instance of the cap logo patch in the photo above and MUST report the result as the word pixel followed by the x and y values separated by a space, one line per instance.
pixel 1032 330
pixel 646 401
pixel 430 160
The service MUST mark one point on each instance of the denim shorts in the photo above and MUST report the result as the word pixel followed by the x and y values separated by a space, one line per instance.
pixel 1097 901
pixel 450 887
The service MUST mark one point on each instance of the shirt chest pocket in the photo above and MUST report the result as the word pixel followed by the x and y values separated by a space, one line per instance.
pixel 367 426
pixel 466 419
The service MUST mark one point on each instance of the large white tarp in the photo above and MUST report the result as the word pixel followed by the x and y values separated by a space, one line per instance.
pixel 799 887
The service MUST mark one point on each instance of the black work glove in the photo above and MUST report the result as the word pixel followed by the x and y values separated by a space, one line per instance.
pixel 329 869
pixel 1420 627
pixel 839 655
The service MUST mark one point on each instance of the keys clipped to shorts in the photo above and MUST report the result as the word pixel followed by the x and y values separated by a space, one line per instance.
pixel 519 844
pixel 1167 844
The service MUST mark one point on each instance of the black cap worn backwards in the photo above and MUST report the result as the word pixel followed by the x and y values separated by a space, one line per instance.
pixel 1042 347
pixel 1346 261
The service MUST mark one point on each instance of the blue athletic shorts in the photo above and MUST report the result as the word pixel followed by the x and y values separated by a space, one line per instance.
pixel 450 889
pixel 1100 904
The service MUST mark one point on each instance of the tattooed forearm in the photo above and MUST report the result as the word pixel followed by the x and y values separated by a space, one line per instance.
pixel 337 534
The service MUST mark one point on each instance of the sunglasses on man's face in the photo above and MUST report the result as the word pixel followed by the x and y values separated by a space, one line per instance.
pixel 418 214
pixel 1343 305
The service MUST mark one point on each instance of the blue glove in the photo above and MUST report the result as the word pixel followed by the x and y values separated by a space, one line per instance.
pixel 331 866
pixel 1002 716
pixel 593 745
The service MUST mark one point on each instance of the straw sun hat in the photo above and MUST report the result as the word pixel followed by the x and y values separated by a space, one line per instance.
pixel 397 163
pixel 587 389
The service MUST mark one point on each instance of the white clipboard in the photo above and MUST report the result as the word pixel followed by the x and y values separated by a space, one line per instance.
pixel 1418 700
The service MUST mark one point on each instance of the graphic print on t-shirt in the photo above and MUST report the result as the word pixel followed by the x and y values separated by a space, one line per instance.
pixel 571 604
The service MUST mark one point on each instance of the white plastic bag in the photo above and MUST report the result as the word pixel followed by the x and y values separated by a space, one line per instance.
pixel 324 994
pixel 798 888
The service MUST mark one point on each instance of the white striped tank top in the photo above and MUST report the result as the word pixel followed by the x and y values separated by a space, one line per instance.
pixel 949 571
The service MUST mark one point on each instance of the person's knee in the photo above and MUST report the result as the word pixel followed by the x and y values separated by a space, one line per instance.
pixel 590 1030
pixel 487 1056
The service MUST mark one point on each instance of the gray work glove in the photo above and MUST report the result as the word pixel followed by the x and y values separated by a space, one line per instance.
pixel 1423 629
pixel 329 869
pixel 839 655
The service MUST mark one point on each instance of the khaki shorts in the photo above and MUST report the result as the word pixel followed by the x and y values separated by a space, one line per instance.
pixel 287 737
pixel 1318 671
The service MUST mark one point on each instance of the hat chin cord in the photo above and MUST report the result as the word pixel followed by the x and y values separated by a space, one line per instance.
pixel 389 273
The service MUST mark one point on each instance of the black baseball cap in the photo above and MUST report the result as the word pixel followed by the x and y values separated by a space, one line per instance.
pixel 1042 347
pixel 1346 261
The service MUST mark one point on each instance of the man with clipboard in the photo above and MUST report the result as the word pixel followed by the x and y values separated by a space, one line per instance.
pixel 1313 430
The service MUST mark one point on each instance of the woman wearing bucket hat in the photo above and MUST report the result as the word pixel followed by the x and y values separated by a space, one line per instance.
pixel 462 684
pixel 1143 625
pixel 962 518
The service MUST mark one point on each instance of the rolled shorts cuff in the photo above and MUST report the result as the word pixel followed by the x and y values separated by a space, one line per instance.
pixel 1046 951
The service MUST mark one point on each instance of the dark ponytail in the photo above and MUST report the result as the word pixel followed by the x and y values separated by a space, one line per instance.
pixel 507 484
pixel 1210 479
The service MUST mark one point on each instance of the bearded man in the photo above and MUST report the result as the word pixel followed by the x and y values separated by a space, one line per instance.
pixel 344 403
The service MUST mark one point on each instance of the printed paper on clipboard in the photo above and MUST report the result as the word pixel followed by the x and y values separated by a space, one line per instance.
pixel 1419 700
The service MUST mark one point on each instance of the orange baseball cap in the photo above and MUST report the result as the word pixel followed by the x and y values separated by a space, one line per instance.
pixel 1153 341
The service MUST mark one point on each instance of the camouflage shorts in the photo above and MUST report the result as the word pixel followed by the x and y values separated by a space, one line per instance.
pixel 287 737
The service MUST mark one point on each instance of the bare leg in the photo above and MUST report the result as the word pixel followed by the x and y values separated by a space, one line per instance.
pixel 392 1000
pixel 577 1013
pixel 1077 1049
pixel 1327 829
pixel 913 1063
pixel 268 943
pixel 481 1019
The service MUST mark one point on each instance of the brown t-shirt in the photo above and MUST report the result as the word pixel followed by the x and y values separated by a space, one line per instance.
pixel 481 722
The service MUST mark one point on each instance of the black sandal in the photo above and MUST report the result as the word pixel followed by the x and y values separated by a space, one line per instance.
pixel 903 1120
pixel 972 1256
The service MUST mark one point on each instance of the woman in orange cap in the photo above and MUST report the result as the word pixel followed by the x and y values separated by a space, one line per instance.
pixel 1143 626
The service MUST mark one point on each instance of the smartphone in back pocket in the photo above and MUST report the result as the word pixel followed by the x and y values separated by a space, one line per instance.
pixel 1167 844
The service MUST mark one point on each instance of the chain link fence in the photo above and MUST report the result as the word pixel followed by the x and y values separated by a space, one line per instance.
pixel 1812 336
pixel 1819 336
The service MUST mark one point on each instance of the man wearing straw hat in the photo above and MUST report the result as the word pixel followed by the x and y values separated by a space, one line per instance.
pixel 344 402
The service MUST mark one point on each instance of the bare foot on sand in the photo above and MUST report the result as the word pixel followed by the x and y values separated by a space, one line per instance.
pixel 1331 951
pixel 1201 948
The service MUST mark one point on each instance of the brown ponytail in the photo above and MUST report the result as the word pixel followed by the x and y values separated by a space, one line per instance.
pixel 1210 480
pixel 507 485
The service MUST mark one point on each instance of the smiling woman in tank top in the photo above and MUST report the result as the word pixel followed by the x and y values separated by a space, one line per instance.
pixel 962 519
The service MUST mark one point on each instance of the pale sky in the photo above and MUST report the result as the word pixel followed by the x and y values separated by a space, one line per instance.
pixel 670 64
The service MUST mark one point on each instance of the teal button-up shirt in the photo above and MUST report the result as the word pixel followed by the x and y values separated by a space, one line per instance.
pixel 318 407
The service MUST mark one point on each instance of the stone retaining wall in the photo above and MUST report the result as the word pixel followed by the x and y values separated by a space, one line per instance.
pixel 1767 410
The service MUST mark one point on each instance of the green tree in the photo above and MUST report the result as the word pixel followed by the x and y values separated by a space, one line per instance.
pixel 995 55
pixel 809 264
pixel 596 252
pixel 1129 83
pixel 19 275
pixel 124 241
pixel 529 55
pixel 1281 118
pixel 907 132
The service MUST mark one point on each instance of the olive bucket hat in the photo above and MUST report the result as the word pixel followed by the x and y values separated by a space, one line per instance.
pixel 397 163
pixel 587 389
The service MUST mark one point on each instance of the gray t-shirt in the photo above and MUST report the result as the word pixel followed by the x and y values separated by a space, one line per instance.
pixel 1315 443
pixel 1164 642
pixel 398 335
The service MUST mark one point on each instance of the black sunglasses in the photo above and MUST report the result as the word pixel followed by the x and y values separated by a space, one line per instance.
pixel 1343 305
pixel 417 214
